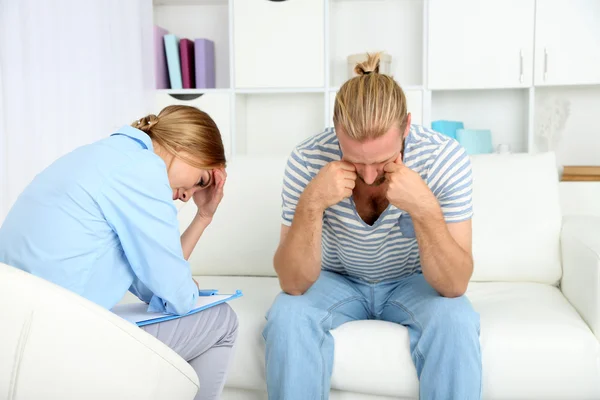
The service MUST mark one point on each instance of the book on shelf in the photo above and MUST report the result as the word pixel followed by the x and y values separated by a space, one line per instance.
pixel 204 50
pixel 182 63
pixel 186 50
pixel 173 61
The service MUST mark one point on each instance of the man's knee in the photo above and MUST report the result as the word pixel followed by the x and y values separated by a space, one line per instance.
pixel 289 315
pixel 453 316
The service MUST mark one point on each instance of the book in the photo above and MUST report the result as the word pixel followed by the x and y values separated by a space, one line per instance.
pixel 174 66
pixel 138 313
pixel 161 74
pixel 186 51
pixel 204 52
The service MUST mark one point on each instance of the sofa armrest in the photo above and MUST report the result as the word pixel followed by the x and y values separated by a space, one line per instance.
pixel 580 243
pixel 56 344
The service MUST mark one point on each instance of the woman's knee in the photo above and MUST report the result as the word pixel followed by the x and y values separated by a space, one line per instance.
pixel 228 322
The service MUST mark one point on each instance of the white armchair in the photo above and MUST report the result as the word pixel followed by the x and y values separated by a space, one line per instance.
pixel 580 241
pixel 55 344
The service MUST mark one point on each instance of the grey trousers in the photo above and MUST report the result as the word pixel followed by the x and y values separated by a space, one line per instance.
pixel 206 341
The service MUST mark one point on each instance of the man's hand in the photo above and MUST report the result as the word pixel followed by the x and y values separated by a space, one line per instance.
pixel 333 183
pixel 406 189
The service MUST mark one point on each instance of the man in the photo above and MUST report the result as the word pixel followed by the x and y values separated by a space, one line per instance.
pixel 376 225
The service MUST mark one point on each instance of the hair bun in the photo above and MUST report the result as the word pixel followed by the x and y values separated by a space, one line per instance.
pixel 368 66
pixel 144 124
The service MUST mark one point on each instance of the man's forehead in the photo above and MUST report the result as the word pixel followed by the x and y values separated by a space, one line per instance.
pixel 371 159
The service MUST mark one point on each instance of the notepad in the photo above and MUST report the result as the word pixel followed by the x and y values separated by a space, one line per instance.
pixel 138 314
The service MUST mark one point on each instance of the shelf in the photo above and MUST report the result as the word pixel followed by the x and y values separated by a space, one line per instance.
pixel 504 112
pixel 392 26
pixel 191 91
pixel 273 124
pixel 189 2
pixel 199 20
pixel 278 90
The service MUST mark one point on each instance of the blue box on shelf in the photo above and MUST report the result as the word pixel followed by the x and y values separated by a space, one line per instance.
pixel 475 141
pixel 447 128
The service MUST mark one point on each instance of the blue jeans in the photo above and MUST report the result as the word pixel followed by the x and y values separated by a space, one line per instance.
pixel 444 335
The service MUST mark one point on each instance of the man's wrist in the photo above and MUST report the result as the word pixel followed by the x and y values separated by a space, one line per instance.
pixel 309 202
pixel 428 210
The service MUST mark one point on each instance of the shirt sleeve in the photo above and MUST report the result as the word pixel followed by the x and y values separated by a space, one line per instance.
pixel 141 291
pixel 295 179
pixel 136 202
pixel 450 180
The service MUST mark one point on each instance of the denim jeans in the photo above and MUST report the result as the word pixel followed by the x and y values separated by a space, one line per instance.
pixel 444 335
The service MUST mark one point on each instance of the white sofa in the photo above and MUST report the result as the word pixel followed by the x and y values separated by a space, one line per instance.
pixel 538 341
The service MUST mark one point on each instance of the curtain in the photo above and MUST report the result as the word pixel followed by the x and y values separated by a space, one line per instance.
pixel 71 72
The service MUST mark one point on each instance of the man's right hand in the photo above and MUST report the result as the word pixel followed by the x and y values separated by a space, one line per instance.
pixel 334 183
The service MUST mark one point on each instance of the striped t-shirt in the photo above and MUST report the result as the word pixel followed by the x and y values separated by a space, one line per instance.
pixel 386 250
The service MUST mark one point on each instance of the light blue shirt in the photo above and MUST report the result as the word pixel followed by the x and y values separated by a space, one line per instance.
pixel 100 221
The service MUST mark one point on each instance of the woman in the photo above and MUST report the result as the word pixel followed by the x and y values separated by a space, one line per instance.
pixel 101 220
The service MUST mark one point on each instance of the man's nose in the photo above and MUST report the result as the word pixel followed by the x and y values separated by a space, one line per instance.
pixel 369 175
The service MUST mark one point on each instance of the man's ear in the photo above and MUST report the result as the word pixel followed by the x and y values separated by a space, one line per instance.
pixel 407 130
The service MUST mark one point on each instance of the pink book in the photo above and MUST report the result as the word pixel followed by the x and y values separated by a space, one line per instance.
pixel 161 72
pixel 186 51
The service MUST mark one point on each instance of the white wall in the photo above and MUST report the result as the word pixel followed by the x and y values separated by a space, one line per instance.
pixel 580 142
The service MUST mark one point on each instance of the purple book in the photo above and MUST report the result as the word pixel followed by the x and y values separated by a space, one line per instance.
pixel 186 53
pixel 205 63
pixel 161 72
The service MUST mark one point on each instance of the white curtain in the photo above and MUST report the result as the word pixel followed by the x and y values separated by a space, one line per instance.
pixel 71 71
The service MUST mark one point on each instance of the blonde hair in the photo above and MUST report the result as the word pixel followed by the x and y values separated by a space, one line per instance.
pixel 369 104
pixel 187 129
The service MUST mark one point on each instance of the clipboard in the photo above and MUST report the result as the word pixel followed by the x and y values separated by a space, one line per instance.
pixel 138 314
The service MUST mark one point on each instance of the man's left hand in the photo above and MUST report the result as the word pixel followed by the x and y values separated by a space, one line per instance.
pixel 407 190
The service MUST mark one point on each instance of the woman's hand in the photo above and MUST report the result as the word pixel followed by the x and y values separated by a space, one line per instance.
pixel 207 200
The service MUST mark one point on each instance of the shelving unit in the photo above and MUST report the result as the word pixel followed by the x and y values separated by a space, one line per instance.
pixel 277 77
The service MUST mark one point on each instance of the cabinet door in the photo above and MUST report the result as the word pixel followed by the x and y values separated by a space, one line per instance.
pixel 567 42
pixel 476 44
pixel 279 44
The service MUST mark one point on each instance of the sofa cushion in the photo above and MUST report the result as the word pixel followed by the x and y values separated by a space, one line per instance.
pixel 534 344
pixel 249 216
pixel 517 220
pixel 515 228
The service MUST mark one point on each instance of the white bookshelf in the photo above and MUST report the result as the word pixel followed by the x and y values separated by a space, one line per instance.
pixel 279 65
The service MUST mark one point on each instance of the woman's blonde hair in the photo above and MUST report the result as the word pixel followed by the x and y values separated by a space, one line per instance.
pixel 180 129
pixel 369 104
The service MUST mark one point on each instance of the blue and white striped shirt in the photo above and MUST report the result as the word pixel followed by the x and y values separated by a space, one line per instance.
pixel 386 250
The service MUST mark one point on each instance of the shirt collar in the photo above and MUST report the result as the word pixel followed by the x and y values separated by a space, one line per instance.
pixel 135 134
